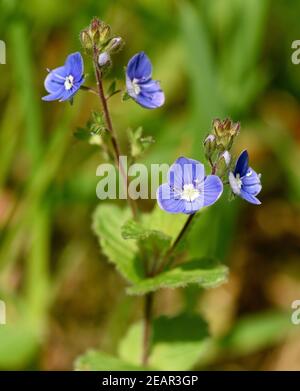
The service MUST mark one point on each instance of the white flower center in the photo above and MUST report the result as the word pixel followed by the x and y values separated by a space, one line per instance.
pixel 135 87
pixel 235 183
pixel 69 82
pixel 239 181
pixel 189 193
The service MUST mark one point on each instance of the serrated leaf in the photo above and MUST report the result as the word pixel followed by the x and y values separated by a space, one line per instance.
pixel 153 243
pixel 204 272
pixel 107 222
pixel 99 361
pixel 177 343
pixel 133 230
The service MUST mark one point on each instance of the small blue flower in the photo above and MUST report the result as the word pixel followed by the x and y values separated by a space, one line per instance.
pixel 244 181
pixel 188 189
pixel 62 83
pixel 139 83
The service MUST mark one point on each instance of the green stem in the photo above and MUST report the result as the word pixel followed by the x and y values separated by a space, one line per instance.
pixel 113 135
pixel 168 258
pixel 147 328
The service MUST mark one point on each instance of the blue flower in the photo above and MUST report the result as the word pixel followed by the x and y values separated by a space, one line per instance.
pixel 139 83
pixel 62 83
pixel 244 181
pixel 188 189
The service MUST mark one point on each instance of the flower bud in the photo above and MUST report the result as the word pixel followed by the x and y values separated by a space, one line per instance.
pixel 105 33
pixel 115 44
pixel 226 157
pixel 225 132
pixel 86 40
pixel 95 35
pixel 223 163
pixel 209 146
pixel 104 59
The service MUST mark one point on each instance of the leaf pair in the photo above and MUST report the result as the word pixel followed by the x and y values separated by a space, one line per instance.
pixel 126 244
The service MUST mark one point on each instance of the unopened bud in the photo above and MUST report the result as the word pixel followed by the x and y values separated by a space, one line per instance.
pixel 95 35
pixel 115 44
pixel 223 163
pixel 105 32
pixel 225 132
pixel 209 146
pixel 104 59
pixel 86 40
pixel 226 157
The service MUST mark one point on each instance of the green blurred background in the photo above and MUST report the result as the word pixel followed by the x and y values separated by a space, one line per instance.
pixel 214 58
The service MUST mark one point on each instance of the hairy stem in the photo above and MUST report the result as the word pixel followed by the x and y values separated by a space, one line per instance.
pixel 168 259
pixel 114 140
pixel 147 328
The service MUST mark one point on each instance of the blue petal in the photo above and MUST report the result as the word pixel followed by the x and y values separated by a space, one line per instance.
pixel 242 164
pixel 249 197
pixel 55 79
pixel 184 172
pixel 74 66
pixel 55 95
pixel 212 189
pixel 150 101
pixel 139 67
pixel 191 207
pixel 168 200
pixel 251 182
pixel 68 94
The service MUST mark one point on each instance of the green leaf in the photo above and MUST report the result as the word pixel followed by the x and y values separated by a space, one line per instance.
pixel 82 134
pixel 100 361
pixel 125 96
pixel 177 343
pixel 204 272
pixel 107 222
pixel 18 345
pixel 169 224
pixel 153 244
pixel 256 332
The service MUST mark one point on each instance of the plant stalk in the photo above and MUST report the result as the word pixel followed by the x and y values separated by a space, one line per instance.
pixel 147 328
pixel 113 135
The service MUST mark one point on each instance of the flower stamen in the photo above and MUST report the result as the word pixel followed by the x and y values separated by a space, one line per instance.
pixel 69 82
pixel 189 193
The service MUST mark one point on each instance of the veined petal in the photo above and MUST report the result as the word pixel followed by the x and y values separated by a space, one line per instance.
pixel 55 95
pixel 55 79
pixel 68 94
pixel 212 189
pixel 168 199
pixel 150 100
pixel 185 172
pixel 249 197
pixel 74 65
pixel 139 67
pixel 242 164
pixel 251 182
pixel 149 86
